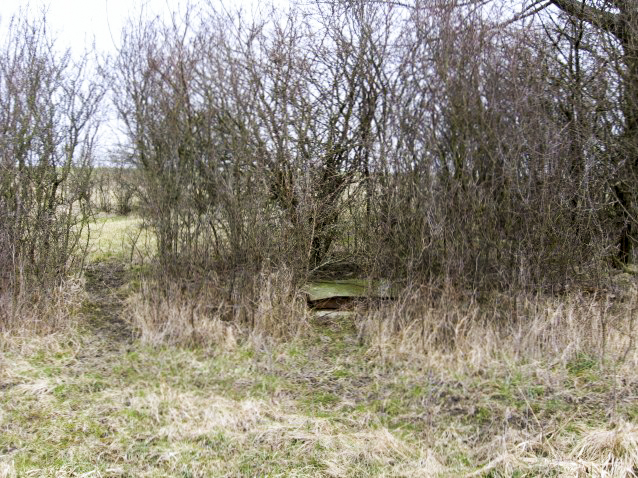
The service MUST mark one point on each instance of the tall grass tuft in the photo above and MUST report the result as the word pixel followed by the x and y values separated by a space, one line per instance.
pixel 39 311
pixel 217 312
pixel 521 327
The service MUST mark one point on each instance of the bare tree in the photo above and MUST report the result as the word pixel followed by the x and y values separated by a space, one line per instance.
pixel 47 135
pixel 425 143
pixel 481 187
pixel 615 26
pixel 319 86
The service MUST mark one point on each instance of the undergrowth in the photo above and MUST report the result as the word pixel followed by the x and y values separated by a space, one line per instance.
pixel 222 381
pixel 34 311
pixel 214 314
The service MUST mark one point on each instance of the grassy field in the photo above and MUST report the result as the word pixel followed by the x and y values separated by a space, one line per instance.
pixel 119 237
pixel 337 400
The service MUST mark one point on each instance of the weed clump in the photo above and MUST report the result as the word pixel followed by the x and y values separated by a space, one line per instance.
pixel 35 311
pixel 215 313
pixel 610 452
pixel 575 331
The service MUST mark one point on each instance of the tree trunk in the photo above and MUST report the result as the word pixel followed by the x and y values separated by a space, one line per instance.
pixel 623 25
pixel 627 152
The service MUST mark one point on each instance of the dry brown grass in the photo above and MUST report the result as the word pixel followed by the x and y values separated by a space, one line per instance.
pixel 209 315
pixel 173 412
pixel 321 403
pixel 7 470
pixel 459 330
pixel 432 384
pixel 547 376
pixel 34 311
pixel 609 452
pixel 173 317
pixel 252 424
pixel 601 452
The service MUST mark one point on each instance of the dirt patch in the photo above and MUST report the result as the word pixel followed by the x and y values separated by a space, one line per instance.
pixel 104 282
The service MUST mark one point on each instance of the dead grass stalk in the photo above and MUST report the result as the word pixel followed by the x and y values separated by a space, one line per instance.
pixel 524 328
pixel 212 313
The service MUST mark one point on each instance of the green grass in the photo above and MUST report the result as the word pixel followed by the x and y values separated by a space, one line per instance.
pixel 89 403
pixel 160 412
pixel 139 411
pixel 119 237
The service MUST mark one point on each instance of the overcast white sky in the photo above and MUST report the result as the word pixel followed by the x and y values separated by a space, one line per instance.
pixel 76 23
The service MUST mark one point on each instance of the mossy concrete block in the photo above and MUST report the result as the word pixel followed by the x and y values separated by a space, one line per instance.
pixel 349 288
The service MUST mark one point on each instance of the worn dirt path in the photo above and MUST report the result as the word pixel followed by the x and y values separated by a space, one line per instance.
pixel 107 332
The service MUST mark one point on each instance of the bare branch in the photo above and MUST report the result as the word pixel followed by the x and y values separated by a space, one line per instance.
pixel 610 22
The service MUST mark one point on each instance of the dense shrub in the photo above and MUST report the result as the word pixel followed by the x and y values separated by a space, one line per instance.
pixel 425 143
pixel 47 125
